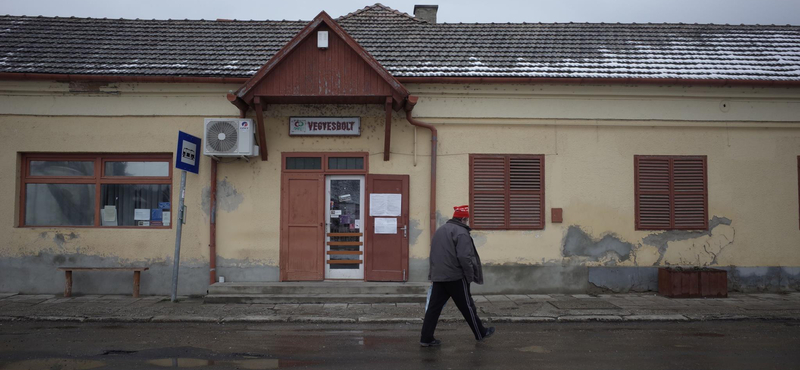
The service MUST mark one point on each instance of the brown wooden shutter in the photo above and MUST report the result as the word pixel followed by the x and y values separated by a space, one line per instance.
pixel 488 185
pixel 507 191
pixel 653 206
pixel 526 193
pixel 689 192
pixel 671 192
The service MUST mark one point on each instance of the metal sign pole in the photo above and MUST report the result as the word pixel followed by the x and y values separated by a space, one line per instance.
pixel 181 218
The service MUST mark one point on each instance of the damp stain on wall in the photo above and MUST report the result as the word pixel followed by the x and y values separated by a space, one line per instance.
pixel 479 239
pixel 228 198
pixel 414 231
pixel 60 239
pixel 441 219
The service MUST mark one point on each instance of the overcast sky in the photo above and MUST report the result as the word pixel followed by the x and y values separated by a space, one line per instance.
pixel 687 11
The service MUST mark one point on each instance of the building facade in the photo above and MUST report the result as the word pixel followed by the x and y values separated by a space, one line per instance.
pixel 590 154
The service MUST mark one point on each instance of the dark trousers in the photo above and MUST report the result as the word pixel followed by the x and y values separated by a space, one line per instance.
pixel 441 292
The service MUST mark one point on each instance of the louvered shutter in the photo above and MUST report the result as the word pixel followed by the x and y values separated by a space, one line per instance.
pixel 488 184
pixel 507 191
pixel 653 206
pixel 689 192
pixel 671 193
pixel 526 192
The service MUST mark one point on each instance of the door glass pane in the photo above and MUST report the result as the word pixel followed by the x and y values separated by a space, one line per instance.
pixel 59 204
pixel 345 211
pixel 303 163
pixel 135 205
pixel 62 168
pixel 345 205
pixel 151 169
pixel 346 163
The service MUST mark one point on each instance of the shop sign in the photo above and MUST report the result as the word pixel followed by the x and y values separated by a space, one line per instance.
pixel 325 126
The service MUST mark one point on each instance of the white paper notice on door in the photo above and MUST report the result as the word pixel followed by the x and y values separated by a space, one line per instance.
pixel 385 225
pixel 385 205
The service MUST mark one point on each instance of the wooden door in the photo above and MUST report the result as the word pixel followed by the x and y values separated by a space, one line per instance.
pixel 302 226
pixel 386 254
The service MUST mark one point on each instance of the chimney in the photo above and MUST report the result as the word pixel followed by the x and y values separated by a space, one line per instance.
pixel 426 13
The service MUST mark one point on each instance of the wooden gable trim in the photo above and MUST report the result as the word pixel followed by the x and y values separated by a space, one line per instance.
pixel 246 92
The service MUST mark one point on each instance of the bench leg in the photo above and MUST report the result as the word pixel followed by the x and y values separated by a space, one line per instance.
pixel 137 275
pixel 68 283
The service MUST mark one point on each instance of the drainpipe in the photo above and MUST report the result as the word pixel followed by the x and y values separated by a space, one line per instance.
pixel 410 103
pixel 213 225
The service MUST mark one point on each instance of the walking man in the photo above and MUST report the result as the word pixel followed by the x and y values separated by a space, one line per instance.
pixel 454 264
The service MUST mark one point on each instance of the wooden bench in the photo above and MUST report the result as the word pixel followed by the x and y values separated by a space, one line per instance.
pixel 137 273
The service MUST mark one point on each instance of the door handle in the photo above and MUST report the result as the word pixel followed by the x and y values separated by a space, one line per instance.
pixel 405 231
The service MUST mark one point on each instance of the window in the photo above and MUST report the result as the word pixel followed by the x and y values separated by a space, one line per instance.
pixel 342 163
pixel 96 190
pixel 506 191
pixel 671 192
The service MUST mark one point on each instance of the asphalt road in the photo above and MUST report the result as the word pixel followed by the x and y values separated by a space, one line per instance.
pixel 693 345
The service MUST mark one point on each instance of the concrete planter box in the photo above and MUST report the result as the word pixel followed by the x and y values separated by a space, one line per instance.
pixel 692 283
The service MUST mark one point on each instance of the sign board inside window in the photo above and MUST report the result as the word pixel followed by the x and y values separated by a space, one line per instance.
pixel 325 126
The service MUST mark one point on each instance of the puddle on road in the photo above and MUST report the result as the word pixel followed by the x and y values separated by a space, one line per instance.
pixel 55 363
pixel 261 363
pixel 534 349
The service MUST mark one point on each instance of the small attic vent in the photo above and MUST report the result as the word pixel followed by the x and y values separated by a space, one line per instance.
pixel 322 39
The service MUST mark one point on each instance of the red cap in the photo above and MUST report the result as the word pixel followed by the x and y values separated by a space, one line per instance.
pixel 461 212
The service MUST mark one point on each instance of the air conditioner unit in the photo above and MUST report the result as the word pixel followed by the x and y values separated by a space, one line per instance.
pixel 229 137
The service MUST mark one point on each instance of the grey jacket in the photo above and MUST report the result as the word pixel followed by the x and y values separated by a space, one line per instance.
pixel 453 255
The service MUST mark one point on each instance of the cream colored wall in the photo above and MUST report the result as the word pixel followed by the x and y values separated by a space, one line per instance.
pixel 749 135
pixel 589 136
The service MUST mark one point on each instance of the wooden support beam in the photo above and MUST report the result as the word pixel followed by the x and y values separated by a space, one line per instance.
pixel 387 139
pixel 262 136
pixel 238 102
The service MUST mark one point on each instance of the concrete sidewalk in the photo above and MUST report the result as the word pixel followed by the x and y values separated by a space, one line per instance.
pixel 493 308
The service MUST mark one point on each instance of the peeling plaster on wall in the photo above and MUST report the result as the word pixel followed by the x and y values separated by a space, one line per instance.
pixel 228 198
pixel 608 249
pixel 414 231
pixel 624 279
pixel 662 240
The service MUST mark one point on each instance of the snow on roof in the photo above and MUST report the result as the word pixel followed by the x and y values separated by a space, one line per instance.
pixel 406 47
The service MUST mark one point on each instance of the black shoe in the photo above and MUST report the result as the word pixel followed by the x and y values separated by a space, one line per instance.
pixel 433 343
pixel 489 333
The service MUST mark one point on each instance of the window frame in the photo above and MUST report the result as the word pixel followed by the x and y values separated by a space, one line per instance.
pixel 324 157
pixel 671 158
pixel 99 179
pixel 507 190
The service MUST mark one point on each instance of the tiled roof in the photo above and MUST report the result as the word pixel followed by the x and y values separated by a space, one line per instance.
pixel 406 47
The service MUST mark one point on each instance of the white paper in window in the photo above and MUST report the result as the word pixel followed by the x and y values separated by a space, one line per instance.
pixel 385 204
pixel 109 216
pixel 142 214
pixel 385 225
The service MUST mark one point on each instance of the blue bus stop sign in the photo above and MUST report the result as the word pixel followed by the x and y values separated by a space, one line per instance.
pixel 188 153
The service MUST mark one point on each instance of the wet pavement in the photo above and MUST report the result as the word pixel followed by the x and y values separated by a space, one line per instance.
pixel 495 308
pixel 596 345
